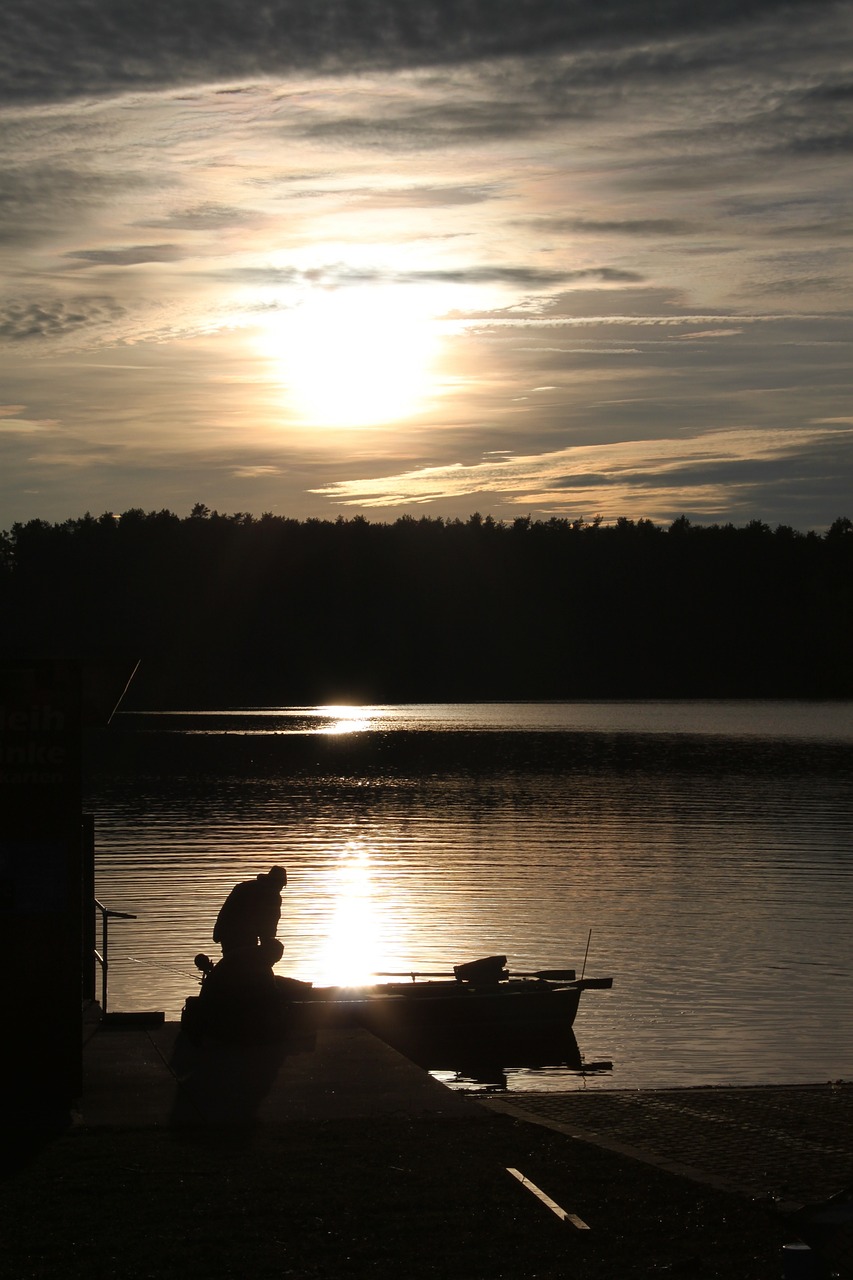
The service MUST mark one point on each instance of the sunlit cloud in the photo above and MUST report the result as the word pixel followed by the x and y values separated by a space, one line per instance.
pixel 656 472
pixel 628 320
pixel 11 423
pixel 709 333
pixel 425 195
pixel 249 473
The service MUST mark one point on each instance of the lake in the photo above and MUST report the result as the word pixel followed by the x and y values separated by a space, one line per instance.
pixel 701 851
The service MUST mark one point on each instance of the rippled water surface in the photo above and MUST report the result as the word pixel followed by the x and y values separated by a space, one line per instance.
pixel 703 852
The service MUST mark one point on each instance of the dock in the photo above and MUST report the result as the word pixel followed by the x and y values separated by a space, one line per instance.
pixel 336 1156
pixel 156 1076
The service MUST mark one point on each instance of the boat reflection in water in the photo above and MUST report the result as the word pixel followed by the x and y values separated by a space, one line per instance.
pixel 472 1061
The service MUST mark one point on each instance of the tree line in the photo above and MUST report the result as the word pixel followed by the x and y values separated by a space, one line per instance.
pixel 238 610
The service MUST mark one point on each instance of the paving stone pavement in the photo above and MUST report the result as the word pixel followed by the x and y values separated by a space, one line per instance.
pixel 791 1143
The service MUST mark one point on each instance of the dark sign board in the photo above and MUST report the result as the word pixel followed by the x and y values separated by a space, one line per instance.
pixel 41 874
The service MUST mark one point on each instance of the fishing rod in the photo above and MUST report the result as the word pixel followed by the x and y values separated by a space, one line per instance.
pixel 156 964
pixel 586 953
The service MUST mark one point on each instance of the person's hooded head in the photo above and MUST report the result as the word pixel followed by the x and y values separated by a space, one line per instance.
pixel 277 876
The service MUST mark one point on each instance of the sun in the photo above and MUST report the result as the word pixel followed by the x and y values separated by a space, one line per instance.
pixel 355 356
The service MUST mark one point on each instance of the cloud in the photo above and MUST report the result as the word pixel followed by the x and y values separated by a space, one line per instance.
pixel 342 275
pixel 795 285
pixel 256 472
pixel 509 319
pixel 719 460
pixel 207 216
pixel 427 196
pixel 436 127
pixel 43 195
pixel 13 425
pixel 62 48
pixel 35 196
pixel 607 227
pixel 709 333
pixel 584 306
pixel 133 255
pixel 56 318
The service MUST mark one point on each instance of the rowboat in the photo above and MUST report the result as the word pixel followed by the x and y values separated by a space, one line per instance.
pixel 480 1003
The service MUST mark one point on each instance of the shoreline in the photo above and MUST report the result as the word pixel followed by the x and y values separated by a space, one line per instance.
pixel 119 751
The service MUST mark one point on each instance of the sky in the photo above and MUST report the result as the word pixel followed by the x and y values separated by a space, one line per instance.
pixel 329 258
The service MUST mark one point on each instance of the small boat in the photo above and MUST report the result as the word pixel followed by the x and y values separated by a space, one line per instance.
pixel 480 1000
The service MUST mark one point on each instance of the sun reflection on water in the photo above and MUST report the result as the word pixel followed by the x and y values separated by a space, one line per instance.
pixel 347 956
pixel 344 719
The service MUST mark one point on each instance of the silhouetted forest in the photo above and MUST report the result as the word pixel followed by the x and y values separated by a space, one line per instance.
pixel 236 610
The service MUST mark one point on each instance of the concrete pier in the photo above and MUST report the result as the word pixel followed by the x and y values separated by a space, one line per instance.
pixel 157 1076
pixel 336 1156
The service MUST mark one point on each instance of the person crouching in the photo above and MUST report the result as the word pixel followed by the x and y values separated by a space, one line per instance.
pixel 240 996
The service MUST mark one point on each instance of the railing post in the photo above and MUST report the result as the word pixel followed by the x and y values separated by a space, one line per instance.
pixel 102 956
pixel 88 948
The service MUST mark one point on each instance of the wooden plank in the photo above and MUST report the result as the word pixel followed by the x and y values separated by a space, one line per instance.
pixel 555 1208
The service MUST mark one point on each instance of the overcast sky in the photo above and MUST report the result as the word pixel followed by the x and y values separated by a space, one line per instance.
pixel 322 257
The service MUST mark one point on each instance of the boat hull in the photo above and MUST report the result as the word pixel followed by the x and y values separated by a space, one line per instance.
pixel 408 1016
pixel 477 1012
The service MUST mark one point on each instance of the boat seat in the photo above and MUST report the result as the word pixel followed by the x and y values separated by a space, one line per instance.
pixel 482 973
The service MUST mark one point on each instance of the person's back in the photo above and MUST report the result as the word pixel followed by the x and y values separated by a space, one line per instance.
pixel 251 911
pixel 236 925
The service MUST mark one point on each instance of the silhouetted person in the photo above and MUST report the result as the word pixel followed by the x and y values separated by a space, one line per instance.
pixel 244 971
pixel 239 995
pixel 251 912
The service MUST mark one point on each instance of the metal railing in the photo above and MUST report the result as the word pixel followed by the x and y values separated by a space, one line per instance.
pixel 102 956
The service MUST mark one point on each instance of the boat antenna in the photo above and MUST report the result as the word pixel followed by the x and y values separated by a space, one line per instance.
pixel 586 953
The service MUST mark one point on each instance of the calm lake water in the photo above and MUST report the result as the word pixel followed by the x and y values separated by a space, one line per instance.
pixel 703 852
